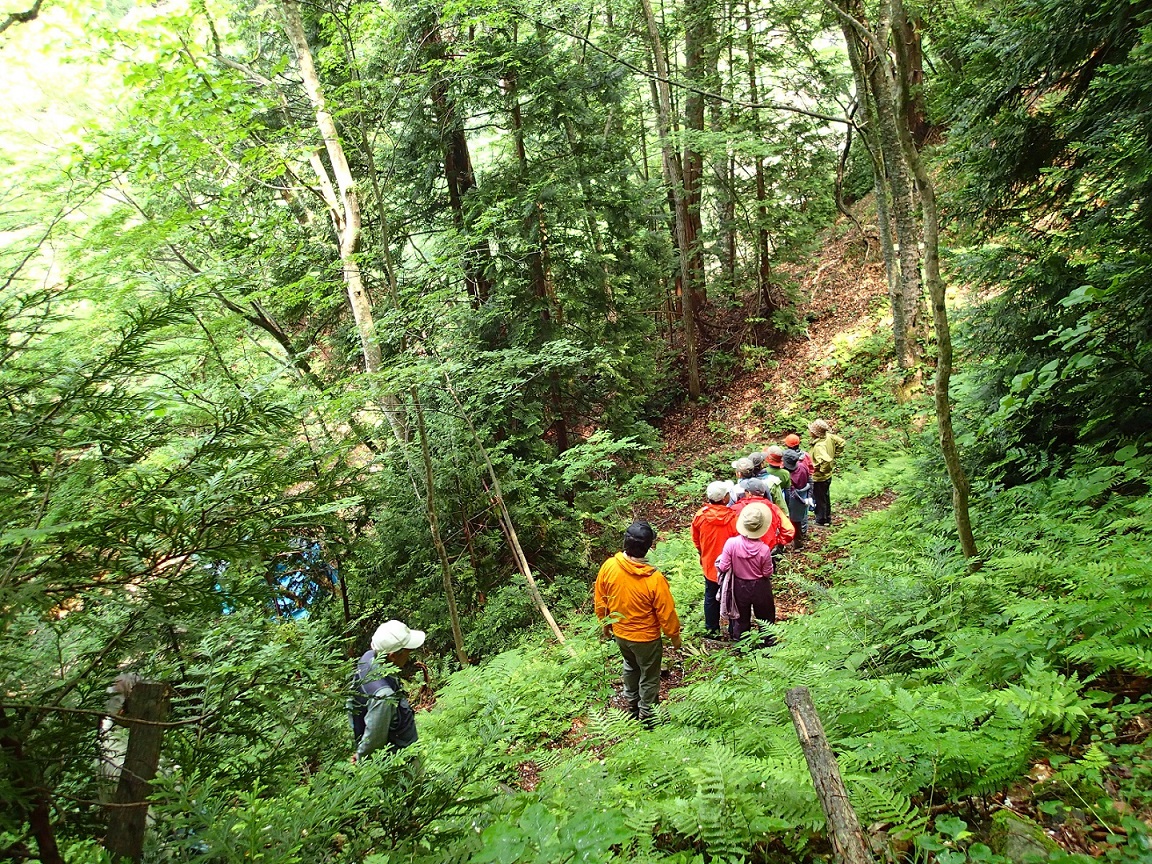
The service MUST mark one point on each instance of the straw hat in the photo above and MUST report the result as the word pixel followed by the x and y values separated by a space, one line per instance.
pixel 755 520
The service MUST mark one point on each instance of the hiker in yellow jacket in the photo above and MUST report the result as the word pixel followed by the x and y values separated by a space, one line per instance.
pixel 637 597
pixel 826 446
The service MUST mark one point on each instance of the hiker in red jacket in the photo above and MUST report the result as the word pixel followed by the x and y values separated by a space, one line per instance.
pixel 713 524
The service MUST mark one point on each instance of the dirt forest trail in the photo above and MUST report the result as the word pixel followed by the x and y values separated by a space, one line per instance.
pixel 841 292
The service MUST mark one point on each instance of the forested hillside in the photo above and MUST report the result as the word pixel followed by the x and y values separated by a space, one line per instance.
pixel 321 315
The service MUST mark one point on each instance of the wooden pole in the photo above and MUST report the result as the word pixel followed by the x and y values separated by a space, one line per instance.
pixel 437 541
pixel 506 522
pixel 128 815
pixel 843 826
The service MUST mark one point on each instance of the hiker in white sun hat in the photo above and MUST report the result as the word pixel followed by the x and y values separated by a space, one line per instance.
pixel 380 712
pixel 745 565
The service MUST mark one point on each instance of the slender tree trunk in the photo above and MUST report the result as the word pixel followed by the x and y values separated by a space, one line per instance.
pixel 675 181
pixel 345 211
pixel 728 219
pixel 871 140
pixel 128 819
pixel 365 146
pixel 348 220
pixel 437 541
pixel 458 172
pixel 886 105
pixel 878 70
pixel 763 255
pixel 699 51
pixel 909 52
pixel 938 295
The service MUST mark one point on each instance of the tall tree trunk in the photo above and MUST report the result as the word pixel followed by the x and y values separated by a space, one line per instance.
pixel 347 219
pixel 763 255
pixel 884 89
pixel 434 526
pixel 728 216
pixel 147 701
pixel 938 295
pixel 458 172
pixel 675 181
pixel 345 211
pixel 878 74
pixel 539 265
pixel 908 48
pixel 699 51
pixel 870 137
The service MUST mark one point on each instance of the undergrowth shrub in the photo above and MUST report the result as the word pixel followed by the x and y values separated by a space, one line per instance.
pixel 935 684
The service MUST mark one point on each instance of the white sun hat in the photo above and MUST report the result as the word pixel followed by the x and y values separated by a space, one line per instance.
pixel 393 636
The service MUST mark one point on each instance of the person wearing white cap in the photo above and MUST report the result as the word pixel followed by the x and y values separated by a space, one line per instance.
pixel 380 712
pixel 713 524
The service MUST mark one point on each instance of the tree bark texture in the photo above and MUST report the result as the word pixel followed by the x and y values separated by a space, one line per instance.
pixel 128 817
pixel 843 825
pixel 763 254
pixel 458 171
pixel 885 90
pixel 673 177
pixel 345 210
pixel 347 218
pixel 870 137
pixel 880 86
pixel 938 295
pixel 699 59
pixel 908 48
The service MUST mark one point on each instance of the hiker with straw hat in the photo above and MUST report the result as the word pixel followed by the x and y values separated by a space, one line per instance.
pixel 746 565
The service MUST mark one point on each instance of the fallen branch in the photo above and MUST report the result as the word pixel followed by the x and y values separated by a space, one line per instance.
pixel 843 826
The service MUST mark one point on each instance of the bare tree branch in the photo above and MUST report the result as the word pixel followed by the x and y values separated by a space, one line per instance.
pixel 21 17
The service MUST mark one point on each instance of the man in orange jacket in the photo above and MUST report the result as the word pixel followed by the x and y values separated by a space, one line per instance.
pixel 712 525
pixel 637 597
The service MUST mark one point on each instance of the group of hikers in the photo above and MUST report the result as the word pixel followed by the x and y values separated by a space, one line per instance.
pixel 740 532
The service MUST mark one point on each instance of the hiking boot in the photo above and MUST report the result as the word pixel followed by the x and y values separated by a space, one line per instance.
pixel 634 710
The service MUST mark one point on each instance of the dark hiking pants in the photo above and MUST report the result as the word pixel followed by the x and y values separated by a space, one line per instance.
pixel 712 607
pixel 753 596
pixel 821 492
pixel 641 674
